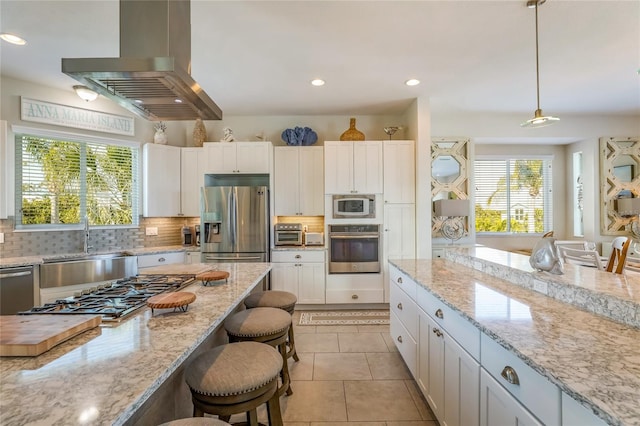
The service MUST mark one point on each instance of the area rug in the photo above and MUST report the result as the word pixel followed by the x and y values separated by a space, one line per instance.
pixel 344 318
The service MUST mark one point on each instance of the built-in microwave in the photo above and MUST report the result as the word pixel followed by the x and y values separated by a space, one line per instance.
pixel 354 206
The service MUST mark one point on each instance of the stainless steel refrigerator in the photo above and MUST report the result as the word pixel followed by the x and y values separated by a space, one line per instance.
pixel 234 224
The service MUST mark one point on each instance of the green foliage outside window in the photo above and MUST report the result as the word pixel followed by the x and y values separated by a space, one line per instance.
pixel 63 181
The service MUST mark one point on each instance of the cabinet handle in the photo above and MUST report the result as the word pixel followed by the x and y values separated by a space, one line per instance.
pixel 437 332
pixel 354 296
pixel 399 339
pixel 399 280
pixel 162 259
pixel 400 306
pixel 298 256
pixel 510 375
pixel 440 314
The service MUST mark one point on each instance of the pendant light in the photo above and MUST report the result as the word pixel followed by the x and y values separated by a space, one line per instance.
pixel 539 119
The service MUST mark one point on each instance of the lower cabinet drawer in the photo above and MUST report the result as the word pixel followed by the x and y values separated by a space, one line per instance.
pixel 404 308
pixel 355 296
pixel 465 333
pixel 148 260
pixel 297 256
pixel 539 395
pixel 405 343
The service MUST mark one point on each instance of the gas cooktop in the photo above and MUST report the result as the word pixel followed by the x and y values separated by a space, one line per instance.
pixel 116 300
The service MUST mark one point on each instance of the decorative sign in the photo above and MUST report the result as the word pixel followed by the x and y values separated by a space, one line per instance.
pixel 62 115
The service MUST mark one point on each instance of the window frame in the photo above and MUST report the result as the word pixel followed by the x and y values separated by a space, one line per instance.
pixel 547 193
pixel 20 131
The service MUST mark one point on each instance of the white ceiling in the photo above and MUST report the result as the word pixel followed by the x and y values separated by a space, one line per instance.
pixel 257 57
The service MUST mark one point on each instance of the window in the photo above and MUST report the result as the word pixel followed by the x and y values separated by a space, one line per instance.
pixel 513 195
pixel 60 181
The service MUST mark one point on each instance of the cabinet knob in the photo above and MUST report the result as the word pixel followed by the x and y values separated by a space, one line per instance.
pixel 298 256
pixel 162 259
pixel 399 280
pixel 399 339
pixel 354 296
pixel 437 332
pixel 400 306
pixel 510 375
pixel 440 314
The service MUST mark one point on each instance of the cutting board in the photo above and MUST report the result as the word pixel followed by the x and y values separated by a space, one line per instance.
pixel 31 335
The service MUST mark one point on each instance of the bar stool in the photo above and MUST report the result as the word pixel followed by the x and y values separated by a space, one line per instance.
pixel 236 378
pixel 276 299
pixel 264 325
pixel 196 421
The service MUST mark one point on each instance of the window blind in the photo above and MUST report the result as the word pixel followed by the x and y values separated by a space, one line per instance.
pixel 59 182
pixel 513 195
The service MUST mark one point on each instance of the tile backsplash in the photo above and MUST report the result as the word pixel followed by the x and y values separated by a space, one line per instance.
pixel 41 243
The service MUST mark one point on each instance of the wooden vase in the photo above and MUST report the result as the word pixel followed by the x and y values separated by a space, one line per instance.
pixel 352 134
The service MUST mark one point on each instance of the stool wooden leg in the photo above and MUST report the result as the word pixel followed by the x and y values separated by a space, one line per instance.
pixel 252 417
pixel 273 410
pixel 292 345
pixel 286 379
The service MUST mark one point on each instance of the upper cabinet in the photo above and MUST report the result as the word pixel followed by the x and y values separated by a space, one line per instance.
pixel 353 167
pixel 299 189
pixel 238 157
pixel 161 180
pixel 192 171
pixel 399 172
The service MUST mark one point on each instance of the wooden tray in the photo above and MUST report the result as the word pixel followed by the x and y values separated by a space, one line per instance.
pixel 177 300
pixel 212 277
pixel 31 335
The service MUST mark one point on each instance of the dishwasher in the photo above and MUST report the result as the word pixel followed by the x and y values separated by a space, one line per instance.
pixel 17 292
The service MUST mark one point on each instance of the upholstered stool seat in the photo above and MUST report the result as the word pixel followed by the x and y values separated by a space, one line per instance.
pixel 264 325
pixel 276 299
pixel 196 421
pixel 236 378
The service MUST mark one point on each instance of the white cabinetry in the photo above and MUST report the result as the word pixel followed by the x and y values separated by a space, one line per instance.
pixel 498 407
pixel 4 167
pixel 399 172
pixel 301 272
pixel 448 375
pixel 161 180
pixel 574 414
pixel 192 170
pixel 192 257
pixel 238 157
pixel 404 323
pixel 299 180
pixel 399 237
pixel 159 259
pixel 353 167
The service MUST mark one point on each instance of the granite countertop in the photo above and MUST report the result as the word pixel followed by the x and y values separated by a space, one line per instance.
pixel 102 376
pixel 615 296
pixel 592 358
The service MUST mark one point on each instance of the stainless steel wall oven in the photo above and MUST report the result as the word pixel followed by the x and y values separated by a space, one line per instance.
pixel 354 249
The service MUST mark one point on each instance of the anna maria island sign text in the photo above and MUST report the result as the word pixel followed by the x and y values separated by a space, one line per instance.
pixel 62 115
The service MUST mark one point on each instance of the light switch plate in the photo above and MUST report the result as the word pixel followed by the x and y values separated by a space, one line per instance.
pixel 1 237
pixel 151 230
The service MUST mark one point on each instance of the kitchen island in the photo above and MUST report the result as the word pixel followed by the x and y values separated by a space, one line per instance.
pixel 111 374
pixel 587 357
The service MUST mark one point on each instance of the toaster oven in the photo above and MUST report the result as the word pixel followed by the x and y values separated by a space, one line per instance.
pixel 288 234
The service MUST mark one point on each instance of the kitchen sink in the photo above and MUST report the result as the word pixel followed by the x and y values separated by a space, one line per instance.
pixel 86 268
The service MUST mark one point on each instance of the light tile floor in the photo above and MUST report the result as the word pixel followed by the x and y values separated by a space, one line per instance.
pixel 350 375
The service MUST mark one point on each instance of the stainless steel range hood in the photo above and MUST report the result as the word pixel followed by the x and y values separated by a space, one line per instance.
pixel 152 75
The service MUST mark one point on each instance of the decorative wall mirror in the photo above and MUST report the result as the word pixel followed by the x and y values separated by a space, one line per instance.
pixel 619 178
pixel 449 177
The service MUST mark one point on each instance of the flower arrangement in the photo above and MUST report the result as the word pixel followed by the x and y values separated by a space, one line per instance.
pixel 160 126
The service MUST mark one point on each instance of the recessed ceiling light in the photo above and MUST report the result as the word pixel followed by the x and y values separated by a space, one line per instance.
pixel 13 39
pixel 317 82
pixel 412 82
pixel 178 101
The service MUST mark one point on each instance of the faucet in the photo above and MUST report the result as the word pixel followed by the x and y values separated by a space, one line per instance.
pixel 86 235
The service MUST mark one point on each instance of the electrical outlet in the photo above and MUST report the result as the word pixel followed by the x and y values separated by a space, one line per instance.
pixel 1 237
pixel 540 286
pixel 151 230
